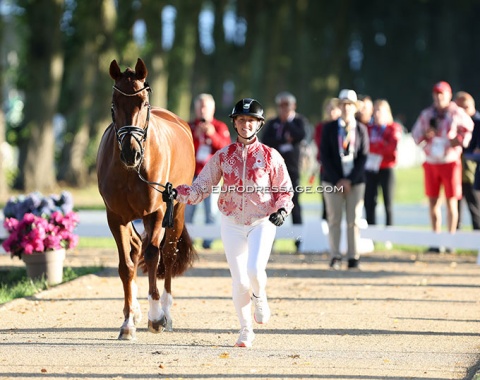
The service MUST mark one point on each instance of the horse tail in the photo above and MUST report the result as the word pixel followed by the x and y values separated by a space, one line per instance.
pixel 186 255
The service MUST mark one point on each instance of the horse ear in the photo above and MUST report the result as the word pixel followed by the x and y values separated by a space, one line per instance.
pixel 141 71
pixel 115 71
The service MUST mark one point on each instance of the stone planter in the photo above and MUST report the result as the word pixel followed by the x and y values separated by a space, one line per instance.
pixel 48 264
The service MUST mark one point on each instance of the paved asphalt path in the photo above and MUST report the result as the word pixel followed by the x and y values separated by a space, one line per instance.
pixel 401 317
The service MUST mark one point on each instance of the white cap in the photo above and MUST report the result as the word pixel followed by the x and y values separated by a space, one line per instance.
pixel 348 96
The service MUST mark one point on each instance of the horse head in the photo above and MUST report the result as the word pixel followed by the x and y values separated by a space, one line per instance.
pixel 130 111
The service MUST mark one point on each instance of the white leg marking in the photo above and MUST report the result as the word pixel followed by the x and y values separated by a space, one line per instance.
pixel 137 311
pixel 167 302
pixel 155 312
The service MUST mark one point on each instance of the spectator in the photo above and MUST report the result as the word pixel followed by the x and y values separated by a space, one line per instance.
pixel 443 130
pixel 365 109
pixel 343 152
pixel 248 219
pixel 209 135
pixel 331 112
pixel 285 133
pixel 466 101
pixel 384 135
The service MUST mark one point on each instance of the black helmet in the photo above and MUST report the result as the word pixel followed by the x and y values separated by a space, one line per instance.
pixel 248 106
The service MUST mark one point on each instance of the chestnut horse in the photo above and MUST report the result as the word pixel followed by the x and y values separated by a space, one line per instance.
pixel 143 146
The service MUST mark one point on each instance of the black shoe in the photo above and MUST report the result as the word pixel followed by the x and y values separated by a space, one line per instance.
pixel 297 246
pixel 353 263
pixel 336 263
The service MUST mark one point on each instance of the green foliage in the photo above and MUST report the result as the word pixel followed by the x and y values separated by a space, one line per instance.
pixel 97 242
pixel 14 282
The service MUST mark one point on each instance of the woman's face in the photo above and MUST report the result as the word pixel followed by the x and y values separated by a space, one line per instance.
pixel 246 125
pixel 348 110
pixel 379 115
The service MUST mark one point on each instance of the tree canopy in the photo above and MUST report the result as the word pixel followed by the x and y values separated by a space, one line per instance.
pixel 57 92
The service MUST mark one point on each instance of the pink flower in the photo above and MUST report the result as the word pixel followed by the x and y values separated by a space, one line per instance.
pixel 39 234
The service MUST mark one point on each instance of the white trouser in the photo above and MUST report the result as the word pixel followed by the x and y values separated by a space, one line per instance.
pixel 247 249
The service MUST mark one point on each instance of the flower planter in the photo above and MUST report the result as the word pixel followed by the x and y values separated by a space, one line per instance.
pixel 48 264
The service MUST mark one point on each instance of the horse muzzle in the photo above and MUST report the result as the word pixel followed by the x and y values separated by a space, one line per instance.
pixel 131 158
pixel 130 141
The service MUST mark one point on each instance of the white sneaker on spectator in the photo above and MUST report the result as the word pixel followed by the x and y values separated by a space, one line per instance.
pixel 262 310
pixel 246 337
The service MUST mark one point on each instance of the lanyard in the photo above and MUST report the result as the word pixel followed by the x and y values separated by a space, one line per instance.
pixel 344 140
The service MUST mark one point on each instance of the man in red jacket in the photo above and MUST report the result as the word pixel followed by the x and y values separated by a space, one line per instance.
pixel 209 135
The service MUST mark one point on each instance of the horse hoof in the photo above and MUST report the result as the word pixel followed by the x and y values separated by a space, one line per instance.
pixel 127 334
pixel 157 326
pixel 169 326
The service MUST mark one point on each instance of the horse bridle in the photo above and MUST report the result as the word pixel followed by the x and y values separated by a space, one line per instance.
pixel 140 136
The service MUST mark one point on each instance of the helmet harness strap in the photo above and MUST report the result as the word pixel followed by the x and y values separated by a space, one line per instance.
pixel 254 133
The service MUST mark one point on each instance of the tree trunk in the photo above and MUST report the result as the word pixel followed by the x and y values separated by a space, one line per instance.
pixel 83 64
pixel 155 58
pixel 3 177
pixel 182 58
pixel 43 75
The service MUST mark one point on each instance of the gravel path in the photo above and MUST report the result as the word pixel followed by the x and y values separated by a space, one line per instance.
pixel 401 317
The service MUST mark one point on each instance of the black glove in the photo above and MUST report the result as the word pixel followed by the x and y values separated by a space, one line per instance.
pixel 278 217
pixel 170 193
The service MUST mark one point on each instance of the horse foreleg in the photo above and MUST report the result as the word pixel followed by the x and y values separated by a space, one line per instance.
pixel 128 252
pixel 135 255
pixel 169 256
pixel 167 302
pixel 156 315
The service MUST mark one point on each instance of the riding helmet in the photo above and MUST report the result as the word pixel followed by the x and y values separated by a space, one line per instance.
pixel 248 106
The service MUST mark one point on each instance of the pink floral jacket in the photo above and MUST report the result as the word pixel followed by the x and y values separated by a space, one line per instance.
pixel 455 124
pixel 255 182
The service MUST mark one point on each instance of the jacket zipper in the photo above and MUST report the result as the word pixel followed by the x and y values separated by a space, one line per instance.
pixel 244 157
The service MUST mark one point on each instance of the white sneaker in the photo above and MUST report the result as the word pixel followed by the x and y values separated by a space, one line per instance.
pixel 262 310
pixel 245 338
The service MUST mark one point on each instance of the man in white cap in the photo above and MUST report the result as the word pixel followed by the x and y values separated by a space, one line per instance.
pixel 344 149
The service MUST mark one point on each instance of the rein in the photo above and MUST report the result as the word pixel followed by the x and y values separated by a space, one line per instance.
pixel 140 136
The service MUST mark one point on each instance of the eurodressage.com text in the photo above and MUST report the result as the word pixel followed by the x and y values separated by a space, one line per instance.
pixel 276 189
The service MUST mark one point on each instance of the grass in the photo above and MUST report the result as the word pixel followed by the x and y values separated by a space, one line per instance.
pixel 15 284
pixel 408 187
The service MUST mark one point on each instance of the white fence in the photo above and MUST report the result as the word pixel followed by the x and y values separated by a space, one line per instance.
pixel 314 235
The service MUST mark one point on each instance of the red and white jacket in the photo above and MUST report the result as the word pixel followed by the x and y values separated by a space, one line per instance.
pixel 384 141
pixel 455 124
pixel 217 141
pixel 255 182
